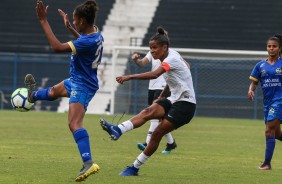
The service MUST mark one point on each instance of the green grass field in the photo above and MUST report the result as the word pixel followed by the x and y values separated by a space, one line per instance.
pixel 37 147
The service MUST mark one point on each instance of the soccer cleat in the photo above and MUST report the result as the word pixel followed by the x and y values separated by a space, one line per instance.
pixel 130 171
pixel 87 171
pixel 30 84
pixel 264 167
pixel 169 147
pixel 113 130
pixel 142 146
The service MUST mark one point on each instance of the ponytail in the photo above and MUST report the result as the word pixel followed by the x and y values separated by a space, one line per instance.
pixel 161 36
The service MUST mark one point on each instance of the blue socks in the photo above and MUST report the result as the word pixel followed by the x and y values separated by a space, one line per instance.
pixel 270 145
pixel 42 94
pixel 82 140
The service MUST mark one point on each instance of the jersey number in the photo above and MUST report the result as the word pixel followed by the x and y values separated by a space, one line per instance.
pixel 96 62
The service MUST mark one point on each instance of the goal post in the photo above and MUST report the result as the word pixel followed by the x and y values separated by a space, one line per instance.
pixel 221 81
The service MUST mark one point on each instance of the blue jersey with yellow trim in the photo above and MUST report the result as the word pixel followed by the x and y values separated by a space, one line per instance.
pixel 86 55
pixel 270 78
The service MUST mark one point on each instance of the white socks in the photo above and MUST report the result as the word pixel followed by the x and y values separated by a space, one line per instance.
pixel 153 125
pixel 140 160
pixel 169 138
pixel 125 126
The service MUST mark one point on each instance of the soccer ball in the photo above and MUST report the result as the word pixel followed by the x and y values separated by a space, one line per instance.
pixel 19 100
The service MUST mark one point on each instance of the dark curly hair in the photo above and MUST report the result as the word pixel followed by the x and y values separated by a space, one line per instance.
pixel 87 11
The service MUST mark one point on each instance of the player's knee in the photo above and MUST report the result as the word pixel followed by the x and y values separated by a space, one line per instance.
pixel 71 127
pixel 52 92
pixel 269 133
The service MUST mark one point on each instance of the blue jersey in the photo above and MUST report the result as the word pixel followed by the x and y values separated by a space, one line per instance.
pixel 86 56
pixel 270 78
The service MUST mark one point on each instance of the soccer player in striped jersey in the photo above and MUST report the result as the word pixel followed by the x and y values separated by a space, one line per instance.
pixel 83 82
pixel 268 73
pixel 174 111
pixel 155 88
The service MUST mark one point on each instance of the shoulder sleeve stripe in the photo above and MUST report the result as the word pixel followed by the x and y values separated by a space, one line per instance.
pixel 254 79
pixel 165 66
pixel 72 47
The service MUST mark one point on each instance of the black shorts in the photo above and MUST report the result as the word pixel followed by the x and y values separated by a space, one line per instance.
pixel 178 113
pixel 154 94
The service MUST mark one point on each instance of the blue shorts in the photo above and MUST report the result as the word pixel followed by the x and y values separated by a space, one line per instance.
pixel 273 112
pixel 78 93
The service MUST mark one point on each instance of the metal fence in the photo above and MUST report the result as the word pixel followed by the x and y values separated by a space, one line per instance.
pixel 48 69
pixel 220 77
pixel 221 85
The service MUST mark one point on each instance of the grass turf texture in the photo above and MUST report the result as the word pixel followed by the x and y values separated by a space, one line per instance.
pixel 37 147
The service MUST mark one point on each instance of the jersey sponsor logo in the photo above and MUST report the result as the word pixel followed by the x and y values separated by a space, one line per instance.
pixel 271 80
pixel 263 73
pixel 278 71
pixel 271 83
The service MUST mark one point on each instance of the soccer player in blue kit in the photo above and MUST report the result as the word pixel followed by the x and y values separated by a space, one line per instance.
pixel 269 73
pixel 82 85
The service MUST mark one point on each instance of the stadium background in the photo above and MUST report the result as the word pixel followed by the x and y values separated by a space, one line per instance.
pixel 221 83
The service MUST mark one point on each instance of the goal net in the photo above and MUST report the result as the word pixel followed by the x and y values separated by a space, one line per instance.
pixel 220 77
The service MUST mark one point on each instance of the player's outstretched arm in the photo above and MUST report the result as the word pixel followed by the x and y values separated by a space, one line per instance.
pixel 142 76
pixel 67 23
pixel 57 46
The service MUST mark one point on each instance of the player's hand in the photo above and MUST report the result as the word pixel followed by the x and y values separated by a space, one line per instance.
pixel 122 79
pixel 65 18
pixel 135 57
pixel 41 11
pixel 251 95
